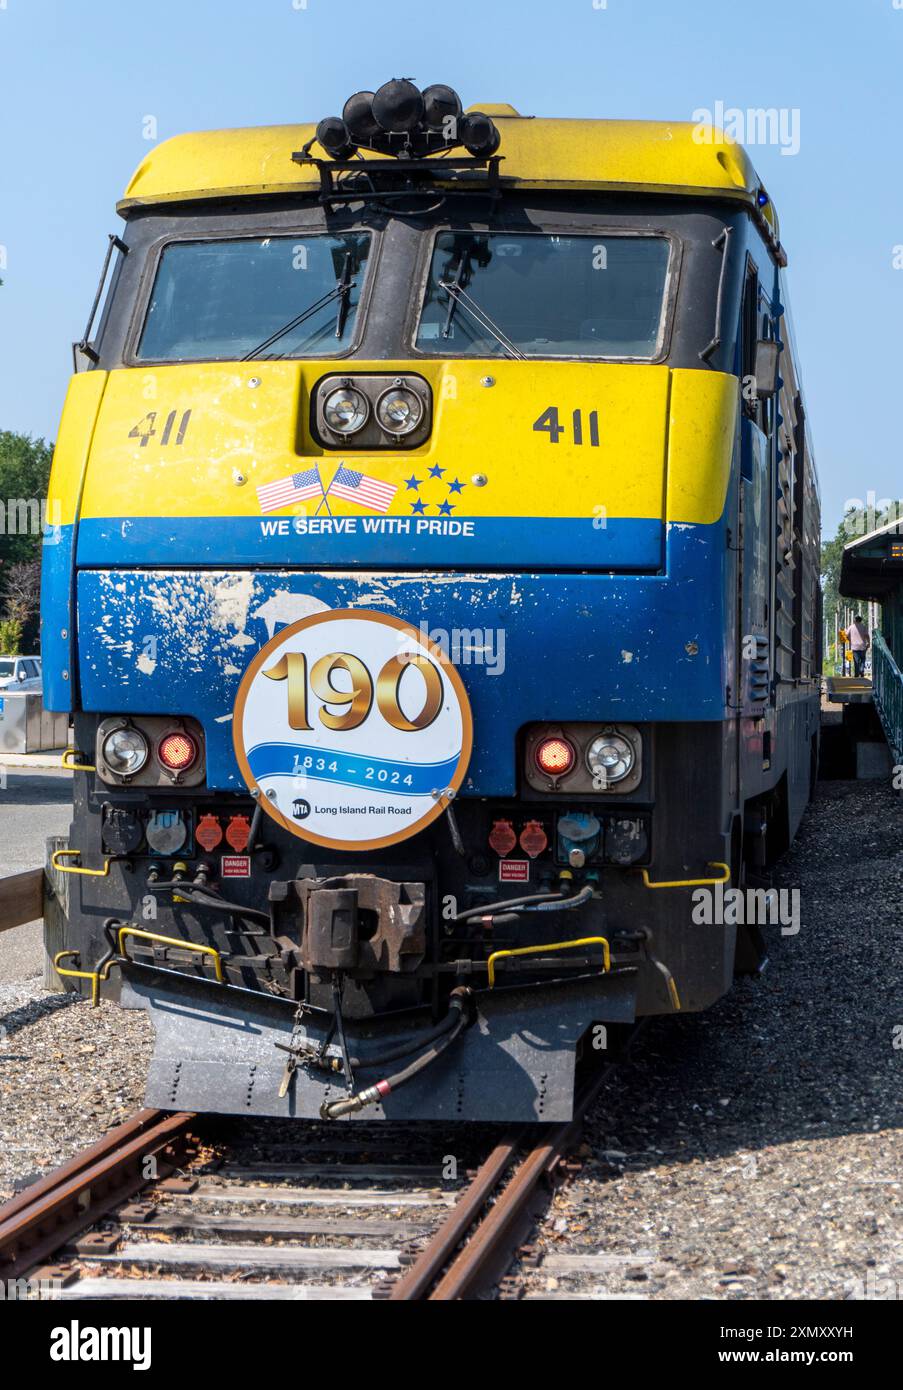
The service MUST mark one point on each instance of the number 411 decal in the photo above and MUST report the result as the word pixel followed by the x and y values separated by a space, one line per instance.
pixel 549 423
pixel 146 429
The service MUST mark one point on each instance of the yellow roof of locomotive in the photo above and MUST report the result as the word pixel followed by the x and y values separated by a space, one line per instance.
pixel 638 156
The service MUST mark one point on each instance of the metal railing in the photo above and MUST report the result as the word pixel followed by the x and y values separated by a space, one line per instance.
pixel 887 682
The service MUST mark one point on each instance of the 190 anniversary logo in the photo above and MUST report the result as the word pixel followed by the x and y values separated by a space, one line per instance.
pixel 353 728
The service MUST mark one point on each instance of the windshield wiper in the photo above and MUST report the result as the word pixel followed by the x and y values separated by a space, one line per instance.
pixel 458 296
pixel 341 292
pixel 344 289
pixel 453 289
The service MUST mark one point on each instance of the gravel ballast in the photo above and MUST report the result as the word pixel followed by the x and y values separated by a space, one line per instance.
pixel 755 1151
pixel 68 1073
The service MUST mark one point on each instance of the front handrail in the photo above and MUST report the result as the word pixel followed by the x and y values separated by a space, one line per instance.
pixel 549 946
pixel 887 694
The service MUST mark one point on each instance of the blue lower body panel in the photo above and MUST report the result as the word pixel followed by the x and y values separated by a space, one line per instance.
pixel 529 647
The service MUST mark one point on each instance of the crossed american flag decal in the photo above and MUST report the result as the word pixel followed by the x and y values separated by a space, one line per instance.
pixel 346 483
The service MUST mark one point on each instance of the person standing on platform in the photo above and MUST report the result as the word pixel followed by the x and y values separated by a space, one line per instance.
pixel 859 643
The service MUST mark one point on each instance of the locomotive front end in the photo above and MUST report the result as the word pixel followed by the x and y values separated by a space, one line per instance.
pixel 395 601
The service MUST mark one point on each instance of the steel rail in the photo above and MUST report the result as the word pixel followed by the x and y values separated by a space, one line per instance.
pixel 475 1264
pixel 38 1221
pixel 426 1269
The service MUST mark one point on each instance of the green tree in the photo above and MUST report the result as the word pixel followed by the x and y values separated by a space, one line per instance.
pixel 831 557
pixel 24 475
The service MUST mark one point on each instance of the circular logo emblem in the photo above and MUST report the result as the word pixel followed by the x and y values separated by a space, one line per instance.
pixel 353 727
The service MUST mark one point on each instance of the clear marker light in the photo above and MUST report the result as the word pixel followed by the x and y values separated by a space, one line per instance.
pixel 125 751
pixel 610 757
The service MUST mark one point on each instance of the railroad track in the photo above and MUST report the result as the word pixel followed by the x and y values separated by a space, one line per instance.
pixel 160 1208
pixel 165 1208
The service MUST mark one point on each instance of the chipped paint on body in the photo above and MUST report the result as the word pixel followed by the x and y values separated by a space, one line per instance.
pixel 578 646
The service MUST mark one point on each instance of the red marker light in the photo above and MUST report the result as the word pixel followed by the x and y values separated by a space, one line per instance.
pixel 177 751
pixel 555 756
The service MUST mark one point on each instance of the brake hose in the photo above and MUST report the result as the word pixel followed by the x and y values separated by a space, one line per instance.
pixel 334 1110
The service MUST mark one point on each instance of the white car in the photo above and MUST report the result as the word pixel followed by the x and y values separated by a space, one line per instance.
pixel 21 673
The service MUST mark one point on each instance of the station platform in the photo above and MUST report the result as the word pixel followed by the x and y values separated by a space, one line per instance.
pixel 848 690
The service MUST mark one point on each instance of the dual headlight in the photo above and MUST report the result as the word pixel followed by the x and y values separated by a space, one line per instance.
pixel 372 411
pixel 398 410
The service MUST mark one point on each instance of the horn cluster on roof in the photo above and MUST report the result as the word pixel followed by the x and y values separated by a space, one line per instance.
pixel 402 121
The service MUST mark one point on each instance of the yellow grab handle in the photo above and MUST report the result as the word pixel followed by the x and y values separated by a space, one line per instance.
pixel 91 975
pixel 76 767
pixel 59 854
pixel 172 941
pixel 689 882
pixel 552 946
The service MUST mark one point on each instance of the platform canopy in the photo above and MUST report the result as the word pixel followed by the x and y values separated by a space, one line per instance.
pixel 872 565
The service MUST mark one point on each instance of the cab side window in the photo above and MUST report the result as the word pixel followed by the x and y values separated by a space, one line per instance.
pixel 757 324
pixel 749 337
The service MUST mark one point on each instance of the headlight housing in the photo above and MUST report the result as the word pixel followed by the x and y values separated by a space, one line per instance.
pixel 371 410
pixel 150 750
pixel 610 758
pixel 125 751
pixel 606 759
pixel 346 410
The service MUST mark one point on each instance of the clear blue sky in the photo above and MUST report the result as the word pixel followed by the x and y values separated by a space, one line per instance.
pixel 78 77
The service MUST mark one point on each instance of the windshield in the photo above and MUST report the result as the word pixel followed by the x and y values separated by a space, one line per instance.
pixel 548 295
pixel 6 669
pixel 224 299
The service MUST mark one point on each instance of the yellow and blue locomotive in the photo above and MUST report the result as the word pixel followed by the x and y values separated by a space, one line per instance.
pixel 435 593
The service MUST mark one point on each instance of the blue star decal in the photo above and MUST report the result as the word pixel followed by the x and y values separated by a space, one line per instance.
pixel 445 509
pixel 436 471
pixel 418 507
pixel 455 487
pixel 412 482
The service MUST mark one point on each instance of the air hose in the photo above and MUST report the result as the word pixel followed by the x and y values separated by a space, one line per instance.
pixel 511 908
pixel 577 901
pixel 206 897
pixel 457 1013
